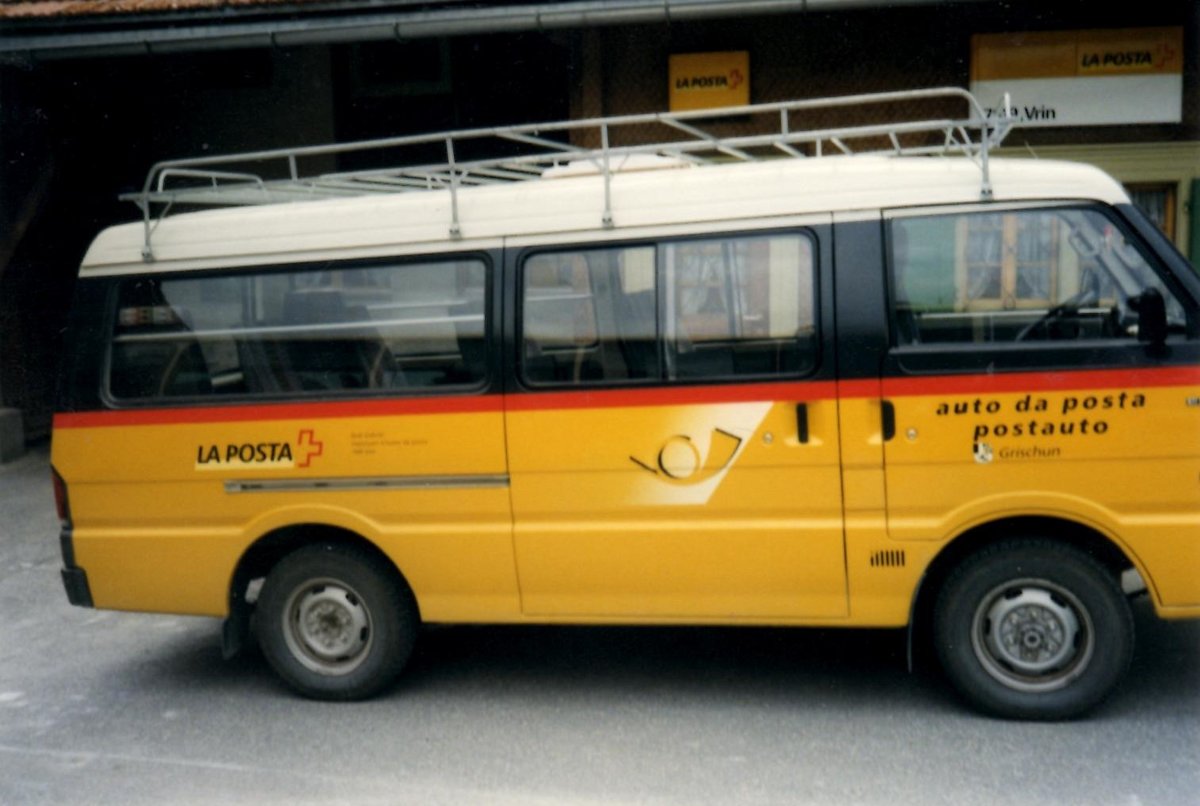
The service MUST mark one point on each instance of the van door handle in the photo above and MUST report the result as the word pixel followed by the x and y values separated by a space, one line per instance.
pixel 802 423
pixel 888 413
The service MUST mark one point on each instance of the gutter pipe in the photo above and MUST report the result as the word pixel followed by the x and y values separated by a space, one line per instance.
pixel 316 29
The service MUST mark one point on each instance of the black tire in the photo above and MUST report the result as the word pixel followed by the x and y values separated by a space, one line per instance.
pixel 336 624
pixel 1031 629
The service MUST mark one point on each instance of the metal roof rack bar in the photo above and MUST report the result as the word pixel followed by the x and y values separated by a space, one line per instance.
pixel 692 137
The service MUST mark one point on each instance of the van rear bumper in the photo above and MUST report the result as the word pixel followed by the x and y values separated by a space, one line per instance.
pixel 75 580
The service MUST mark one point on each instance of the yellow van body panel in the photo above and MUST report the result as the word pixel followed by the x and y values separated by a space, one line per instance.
pixel 664 506
pixel 165 510
pixel 1116 451
pixel 881 579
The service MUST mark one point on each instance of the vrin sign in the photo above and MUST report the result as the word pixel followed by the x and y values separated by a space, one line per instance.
pixel 1081 78
pixel 708 80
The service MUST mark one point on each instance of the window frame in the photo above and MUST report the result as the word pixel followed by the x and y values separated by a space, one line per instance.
pixel 665 328
pixel 488 259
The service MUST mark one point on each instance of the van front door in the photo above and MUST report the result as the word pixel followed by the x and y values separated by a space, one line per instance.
pixel 1020 385
pixel 673 442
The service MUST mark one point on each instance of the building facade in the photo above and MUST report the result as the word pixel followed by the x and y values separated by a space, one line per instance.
pixel 91 94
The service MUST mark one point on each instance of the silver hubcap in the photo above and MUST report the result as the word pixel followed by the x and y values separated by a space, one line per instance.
pixel 327 627
pixel 1032 635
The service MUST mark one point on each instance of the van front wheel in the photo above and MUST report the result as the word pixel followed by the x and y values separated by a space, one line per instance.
pixel 1032 629
pixel 333 624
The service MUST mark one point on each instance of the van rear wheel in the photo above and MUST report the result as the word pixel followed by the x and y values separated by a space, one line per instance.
pixel 1031 629
pixel 334 624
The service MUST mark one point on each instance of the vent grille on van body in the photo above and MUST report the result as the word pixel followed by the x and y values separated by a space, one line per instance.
pixel 888 558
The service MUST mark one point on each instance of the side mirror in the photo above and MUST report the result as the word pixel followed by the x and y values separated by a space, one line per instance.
pixel 1152 317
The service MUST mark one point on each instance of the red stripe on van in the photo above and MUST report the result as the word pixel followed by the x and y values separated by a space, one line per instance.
pixel 534 401
pixel 280 411
pixel 980 383
pixel 798 391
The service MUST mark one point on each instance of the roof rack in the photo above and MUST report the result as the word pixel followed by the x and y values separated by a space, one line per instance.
pixel 529 151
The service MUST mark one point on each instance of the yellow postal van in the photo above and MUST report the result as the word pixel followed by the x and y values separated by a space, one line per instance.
pixel 566 380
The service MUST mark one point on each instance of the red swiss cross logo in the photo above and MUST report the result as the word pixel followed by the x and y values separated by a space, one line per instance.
pixel 307 447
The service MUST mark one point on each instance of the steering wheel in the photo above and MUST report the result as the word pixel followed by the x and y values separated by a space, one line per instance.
pixel 1066 307
pixel 1089 291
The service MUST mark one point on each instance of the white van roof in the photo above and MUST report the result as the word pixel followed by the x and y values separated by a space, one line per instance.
pixel 569 206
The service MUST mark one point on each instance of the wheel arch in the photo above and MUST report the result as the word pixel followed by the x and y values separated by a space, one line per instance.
pixel 1062 530
pixel 265 552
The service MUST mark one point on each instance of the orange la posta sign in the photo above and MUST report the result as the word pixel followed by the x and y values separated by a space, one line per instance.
pixel 708 80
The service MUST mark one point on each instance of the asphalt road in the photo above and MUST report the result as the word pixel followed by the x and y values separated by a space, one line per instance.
pixel 112 708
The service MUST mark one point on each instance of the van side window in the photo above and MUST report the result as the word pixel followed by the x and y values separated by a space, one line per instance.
pixel 719 308
pixel 590 316
pixel 406 327
pixel 1018 276
pixel 741 306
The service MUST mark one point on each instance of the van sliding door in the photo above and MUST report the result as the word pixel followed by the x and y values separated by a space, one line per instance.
pixel 672 437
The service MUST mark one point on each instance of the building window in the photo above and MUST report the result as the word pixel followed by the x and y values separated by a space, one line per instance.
pixel 1006 261
pixel 1157 201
